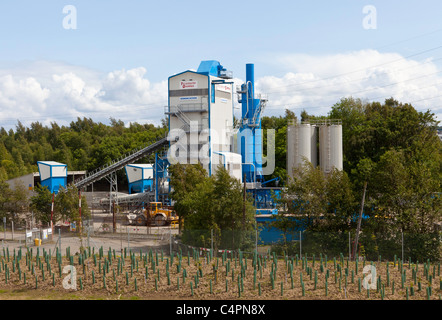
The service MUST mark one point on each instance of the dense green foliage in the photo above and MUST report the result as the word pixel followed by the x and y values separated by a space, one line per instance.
pixel 395 151
pixel 214 203
pixel 279 124
pixel 13 202
pixel 84 145
pixel 66 208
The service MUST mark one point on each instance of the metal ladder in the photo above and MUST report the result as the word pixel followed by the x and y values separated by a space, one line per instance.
pixel 262 103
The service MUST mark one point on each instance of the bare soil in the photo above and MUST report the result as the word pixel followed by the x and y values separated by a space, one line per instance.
pixel 211 285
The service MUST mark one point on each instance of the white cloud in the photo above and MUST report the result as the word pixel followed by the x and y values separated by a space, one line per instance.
pixel 52 91
pixel 46 92
pixel 315 83
pixel 21 96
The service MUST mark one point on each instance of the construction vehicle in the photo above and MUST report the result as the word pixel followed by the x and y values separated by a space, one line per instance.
pixel 155 214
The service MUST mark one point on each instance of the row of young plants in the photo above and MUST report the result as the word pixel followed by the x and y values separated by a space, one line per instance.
pixel 231 275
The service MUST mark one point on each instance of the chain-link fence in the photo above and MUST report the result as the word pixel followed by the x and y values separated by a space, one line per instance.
pixel 119 235
pixel 370 246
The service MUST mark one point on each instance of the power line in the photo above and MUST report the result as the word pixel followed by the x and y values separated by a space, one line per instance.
pixel 421 88
pixel 439 96
pixel 409 39
pixel 371 89
pixel 350 81
pixel 406 40
pixel 362 69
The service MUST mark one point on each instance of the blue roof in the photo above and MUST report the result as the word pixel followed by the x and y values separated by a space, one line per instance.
pixel 210 68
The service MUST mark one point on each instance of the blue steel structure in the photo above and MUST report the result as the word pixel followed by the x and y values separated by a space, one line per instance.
pixel 249 135
pixel 249 142
pixel 214 68
pixel 160 176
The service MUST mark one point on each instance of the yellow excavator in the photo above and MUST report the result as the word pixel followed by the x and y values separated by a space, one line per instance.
pixel 155 214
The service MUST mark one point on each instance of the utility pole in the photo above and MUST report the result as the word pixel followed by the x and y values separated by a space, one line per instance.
pixel 52 215
pixel 358 229
pixel 114 224
pixel 79 208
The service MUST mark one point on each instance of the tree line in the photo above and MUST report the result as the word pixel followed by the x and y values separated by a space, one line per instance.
pixel 83 145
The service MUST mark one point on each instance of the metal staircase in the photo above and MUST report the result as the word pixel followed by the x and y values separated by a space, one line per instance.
pixel 258 111
pixel 182 116
pixel 118 164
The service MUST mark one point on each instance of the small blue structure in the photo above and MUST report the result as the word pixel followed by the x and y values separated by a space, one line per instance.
pixel 270 235
pixel 265 198
pixel 53 175
pixel 140 177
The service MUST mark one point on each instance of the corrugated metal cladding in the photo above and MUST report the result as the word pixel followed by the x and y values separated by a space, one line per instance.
pixel 188 92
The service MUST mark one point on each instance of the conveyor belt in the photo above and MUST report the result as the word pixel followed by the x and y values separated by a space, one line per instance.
pixel 102 172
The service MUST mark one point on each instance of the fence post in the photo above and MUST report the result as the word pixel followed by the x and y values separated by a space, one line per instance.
pixel 88 237
pixel 59 239
pixel 170 240
pixel 128 240
pixel 402 246
pixel 211 239
pixel 114 223
pixel 349 246
pixel 300 245
pixel 12 227
pixel 121 240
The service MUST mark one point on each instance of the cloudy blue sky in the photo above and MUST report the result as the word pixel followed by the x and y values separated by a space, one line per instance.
pixel 307 54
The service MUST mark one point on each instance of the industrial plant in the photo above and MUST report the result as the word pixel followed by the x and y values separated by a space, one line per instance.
pixel 202 129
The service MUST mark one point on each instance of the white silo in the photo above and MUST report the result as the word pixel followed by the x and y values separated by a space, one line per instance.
pixel 304 143
pixel 314 145
pixel 330 147
pixel 299 145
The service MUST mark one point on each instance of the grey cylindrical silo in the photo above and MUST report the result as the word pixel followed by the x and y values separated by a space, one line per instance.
pixel 336 159
pixel 299 146
pixel 314 146
pixel 330 147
